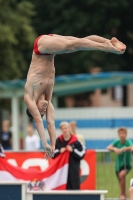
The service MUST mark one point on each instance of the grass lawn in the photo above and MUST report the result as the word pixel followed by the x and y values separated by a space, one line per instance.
pixel 106 178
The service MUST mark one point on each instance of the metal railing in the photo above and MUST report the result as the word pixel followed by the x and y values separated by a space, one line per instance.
pixel 106 178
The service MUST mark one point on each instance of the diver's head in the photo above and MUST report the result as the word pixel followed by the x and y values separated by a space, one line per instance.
pixel 42 108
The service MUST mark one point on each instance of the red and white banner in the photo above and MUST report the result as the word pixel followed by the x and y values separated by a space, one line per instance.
pixel 52 176
pixel 35 161
pixel 88 171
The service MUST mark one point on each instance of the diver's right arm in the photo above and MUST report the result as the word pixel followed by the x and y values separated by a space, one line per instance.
pixel 32 107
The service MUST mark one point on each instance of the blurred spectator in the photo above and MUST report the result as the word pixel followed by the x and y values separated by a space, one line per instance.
pixel 6 135
pixel 2 152
pixel 68 142
pixel 94 70
pixel 73 126
pixel 122 147
pixel 82 100
pixel 69 101
pixel 32 142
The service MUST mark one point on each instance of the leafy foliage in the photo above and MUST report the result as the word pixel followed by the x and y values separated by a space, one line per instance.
pixel 16 37
pixel 82 18
pixel 22 20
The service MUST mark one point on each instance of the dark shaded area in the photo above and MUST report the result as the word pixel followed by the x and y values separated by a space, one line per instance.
pixel 10 192
pixel 66 197
pixel 125 95
pixel 83 18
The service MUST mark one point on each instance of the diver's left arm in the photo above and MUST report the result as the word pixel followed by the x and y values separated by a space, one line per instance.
pixel 51 124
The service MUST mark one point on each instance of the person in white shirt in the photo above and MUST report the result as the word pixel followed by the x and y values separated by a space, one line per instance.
pixel 32 142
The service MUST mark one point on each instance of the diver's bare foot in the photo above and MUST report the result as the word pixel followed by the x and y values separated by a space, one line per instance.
pixel 109 47
pixel 119 45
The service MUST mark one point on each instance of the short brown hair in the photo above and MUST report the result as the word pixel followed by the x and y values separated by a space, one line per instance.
pixel 122 129
pixel 30 116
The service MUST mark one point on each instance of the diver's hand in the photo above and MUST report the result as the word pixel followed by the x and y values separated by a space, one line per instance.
pixel 49 151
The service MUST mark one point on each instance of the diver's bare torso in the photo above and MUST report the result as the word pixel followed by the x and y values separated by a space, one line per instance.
pixel 40 78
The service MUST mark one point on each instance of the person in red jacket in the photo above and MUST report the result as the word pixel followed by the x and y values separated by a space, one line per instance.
pixel 69 142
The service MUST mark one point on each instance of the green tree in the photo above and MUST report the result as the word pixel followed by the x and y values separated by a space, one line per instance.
pixel 82 18
pixel 20 20
pixel 16 37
